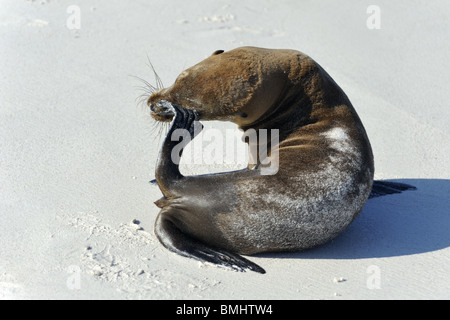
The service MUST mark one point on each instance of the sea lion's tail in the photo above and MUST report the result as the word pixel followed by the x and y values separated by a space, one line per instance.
pixel 175 240
pixel 382 188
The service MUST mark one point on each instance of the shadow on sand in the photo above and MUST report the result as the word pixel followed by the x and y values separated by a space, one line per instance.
pixel 409 223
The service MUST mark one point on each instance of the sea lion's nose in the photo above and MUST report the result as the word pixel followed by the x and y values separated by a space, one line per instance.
pixel 152 107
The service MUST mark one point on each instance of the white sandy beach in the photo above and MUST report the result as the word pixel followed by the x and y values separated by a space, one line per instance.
pixel 77 152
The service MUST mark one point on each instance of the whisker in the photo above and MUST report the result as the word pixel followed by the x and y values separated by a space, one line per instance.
pixel 141 98
pixel 147 84
pixel 159 83
pixel 146 90
pixel 158 130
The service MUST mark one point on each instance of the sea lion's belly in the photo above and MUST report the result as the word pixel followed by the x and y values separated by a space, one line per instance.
pixel 316 194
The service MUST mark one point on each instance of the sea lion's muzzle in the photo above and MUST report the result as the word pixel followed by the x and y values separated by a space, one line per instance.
pixel 162 111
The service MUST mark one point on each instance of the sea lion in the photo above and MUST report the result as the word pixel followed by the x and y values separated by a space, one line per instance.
pixel 325 161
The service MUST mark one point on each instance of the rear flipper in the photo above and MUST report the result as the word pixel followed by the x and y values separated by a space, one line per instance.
pixel 382 188
pixel 175 240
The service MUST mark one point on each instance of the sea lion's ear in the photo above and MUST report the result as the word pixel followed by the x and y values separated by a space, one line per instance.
pixel 215 53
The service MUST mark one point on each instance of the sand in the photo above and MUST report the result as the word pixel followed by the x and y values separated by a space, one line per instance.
pixel 77 151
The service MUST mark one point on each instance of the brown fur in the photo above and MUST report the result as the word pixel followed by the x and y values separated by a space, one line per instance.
pixel 325 159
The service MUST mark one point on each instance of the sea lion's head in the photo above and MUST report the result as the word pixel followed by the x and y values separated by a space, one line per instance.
pixel 239 86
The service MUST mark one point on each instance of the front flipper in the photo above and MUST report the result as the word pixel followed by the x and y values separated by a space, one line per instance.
pixel 167 171
pixel 175 240
pixel 169 227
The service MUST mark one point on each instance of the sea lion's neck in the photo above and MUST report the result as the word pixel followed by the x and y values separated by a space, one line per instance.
pixel 301 102
pixel 280 121
pixel 288 114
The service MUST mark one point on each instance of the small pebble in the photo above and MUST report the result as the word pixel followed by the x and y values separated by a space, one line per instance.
pixel 337 280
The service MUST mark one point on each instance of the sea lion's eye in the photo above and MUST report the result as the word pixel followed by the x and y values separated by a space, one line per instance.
pixel 215 53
